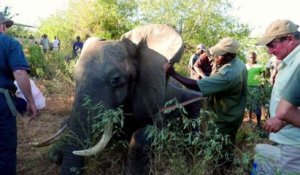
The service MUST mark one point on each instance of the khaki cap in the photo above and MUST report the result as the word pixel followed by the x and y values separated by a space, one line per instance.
pixel 7 22
pixel 276 29
pixel 226 45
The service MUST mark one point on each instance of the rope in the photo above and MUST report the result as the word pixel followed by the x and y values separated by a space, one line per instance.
pixel 181 104
pixel 176 105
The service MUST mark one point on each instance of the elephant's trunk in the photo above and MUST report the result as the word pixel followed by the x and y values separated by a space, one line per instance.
pixel 107 134
pixel 51 139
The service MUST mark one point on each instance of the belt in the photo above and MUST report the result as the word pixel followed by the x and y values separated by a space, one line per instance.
pixel 9 101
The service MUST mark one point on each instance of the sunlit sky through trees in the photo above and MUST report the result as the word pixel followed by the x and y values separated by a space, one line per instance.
pixel 257 13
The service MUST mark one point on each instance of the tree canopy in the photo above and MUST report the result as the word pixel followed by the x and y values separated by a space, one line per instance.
pixel 198 21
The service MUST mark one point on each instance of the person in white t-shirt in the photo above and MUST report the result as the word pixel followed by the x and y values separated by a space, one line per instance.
pixel 56 44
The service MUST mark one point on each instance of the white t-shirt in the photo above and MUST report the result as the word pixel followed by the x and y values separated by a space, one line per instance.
pixel 55 43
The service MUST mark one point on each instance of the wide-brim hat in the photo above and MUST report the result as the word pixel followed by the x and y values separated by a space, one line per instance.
pixel 8 22
pixel 277 29
pixel 226 45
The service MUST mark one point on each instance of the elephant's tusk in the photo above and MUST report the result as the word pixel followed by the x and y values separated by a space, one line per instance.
pixel 50 140
pixel 107 134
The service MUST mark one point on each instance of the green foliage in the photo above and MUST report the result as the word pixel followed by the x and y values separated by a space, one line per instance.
pixel 259 96
pixel 36 61
pixel 98 118
pixel 198 22
pixel 49 65
pixel 84 18
pixel 6 12
pixel 179 147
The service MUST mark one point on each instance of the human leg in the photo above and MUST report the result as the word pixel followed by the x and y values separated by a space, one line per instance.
pixel 266 159
pixel 227 129
pixel 258 114
pixel 8 161
pixel 290 159
pixel 8 140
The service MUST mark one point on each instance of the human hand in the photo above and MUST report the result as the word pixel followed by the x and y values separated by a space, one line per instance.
pixel 273 124
pixel 31 110
pixel 169 69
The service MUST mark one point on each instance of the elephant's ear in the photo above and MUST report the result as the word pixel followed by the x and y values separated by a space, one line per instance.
pixel 156 44
pixel 161 38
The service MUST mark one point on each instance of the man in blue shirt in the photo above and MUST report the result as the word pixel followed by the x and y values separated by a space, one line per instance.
pixel 13 66
pixel 77 47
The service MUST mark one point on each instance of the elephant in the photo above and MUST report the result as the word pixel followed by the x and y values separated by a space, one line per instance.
pixel 127 72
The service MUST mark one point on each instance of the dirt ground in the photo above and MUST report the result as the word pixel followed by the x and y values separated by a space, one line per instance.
pixel 34 161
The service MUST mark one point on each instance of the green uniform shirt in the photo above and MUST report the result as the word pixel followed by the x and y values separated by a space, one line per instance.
pixel 227 90
pixel 254 74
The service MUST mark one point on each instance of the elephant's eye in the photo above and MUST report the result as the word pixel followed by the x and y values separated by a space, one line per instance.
pixel 117 80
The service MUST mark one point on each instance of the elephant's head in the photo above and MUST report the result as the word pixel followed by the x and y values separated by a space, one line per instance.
pixel 130 69
pixel 127 71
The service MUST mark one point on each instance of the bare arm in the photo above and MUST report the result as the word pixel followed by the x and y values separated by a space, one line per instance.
pixel 189 83
pixel 199 71
pixel 285 113
pixel 23 81
pixel 288 113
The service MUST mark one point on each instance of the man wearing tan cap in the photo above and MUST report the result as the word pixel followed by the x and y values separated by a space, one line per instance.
pixel 226 89
pixel 13 66
pixel 282 39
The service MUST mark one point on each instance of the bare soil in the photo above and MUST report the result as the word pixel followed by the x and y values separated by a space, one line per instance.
pixel 34 161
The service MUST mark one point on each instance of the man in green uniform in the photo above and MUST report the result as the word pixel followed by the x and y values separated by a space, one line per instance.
pixel 226 90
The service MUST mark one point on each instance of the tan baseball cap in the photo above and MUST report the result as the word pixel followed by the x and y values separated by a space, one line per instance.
pixel 276 29
pixel 225 45
pixel 7 22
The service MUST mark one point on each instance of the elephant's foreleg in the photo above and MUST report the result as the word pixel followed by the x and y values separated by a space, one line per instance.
pixel 55 154
pixel 71 164
pixel 139 154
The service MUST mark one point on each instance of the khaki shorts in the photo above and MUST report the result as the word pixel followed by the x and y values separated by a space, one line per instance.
pixel 279 159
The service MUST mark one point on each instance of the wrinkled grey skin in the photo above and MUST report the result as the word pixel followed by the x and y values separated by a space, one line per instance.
pixel 127 72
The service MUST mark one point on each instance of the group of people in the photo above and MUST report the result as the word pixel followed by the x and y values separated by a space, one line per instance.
pixel 200 65
pixel 54 46
pixel 48 46
pixel 226 88
pixel 223 79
